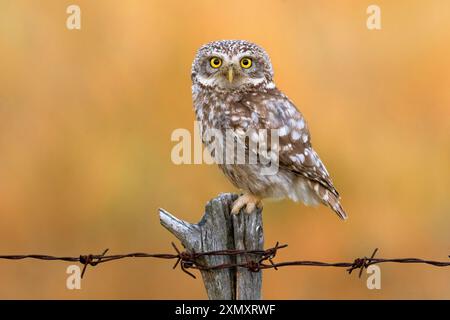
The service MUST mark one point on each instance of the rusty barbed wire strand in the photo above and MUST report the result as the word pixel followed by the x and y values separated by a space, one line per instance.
pixel 192 260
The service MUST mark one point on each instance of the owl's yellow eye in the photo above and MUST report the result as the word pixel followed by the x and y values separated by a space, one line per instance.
pixel 246 63
pixel 215 62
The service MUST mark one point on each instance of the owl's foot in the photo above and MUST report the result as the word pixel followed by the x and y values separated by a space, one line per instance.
pixel 249 201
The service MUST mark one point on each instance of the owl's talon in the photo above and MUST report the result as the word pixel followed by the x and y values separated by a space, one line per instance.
pixel 250 207
pixel 250 202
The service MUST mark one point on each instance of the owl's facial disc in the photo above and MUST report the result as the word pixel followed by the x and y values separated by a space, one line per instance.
pixel 231 72
pixel 232 65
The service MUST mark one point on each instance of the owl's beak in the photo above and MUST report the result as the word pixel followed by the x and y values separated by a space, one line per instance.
pixel 230 74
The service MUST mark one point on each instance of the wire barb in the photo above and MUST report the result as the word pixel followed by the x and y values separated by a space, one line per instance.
pixel 362 263
pixel 91 260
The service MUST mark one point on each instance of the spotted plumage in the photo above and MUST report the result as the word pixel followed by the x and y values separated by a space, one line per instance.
pixel 233 90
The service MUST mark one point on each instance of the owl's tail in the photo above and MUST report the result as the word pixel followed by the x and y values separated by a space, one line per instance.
pixel 333 203
pixel 314 193
pixel 329 197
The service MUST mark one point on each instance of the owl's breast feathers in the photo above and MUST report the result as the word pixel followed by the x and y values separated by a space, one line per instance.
pixel 302 175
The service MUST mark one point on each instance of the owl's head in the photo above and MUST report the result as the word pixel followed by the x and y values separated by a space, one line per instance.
pixel 232 65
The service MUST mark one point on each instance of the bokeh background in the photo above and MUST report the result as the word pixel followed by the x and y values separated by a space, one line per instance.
pixel 86 118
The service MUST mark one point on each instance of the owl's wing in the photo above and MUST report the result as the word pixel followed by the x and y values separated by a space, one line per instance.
pixel 273 110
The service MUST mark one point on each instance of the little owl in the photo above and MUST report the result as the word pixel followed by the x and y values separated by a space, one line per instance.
pixel 233 90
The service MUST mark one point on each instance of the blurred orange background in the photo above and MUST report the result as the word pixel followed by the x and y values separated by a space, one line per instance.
pixel 86 118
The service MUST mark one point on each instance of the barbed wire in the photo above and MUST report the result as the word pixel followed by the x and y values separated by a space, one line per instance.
pixel 263 260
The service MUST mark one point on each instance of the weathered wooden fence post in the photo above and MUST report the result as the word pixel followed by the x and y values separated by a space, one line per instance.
pixel 219 229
